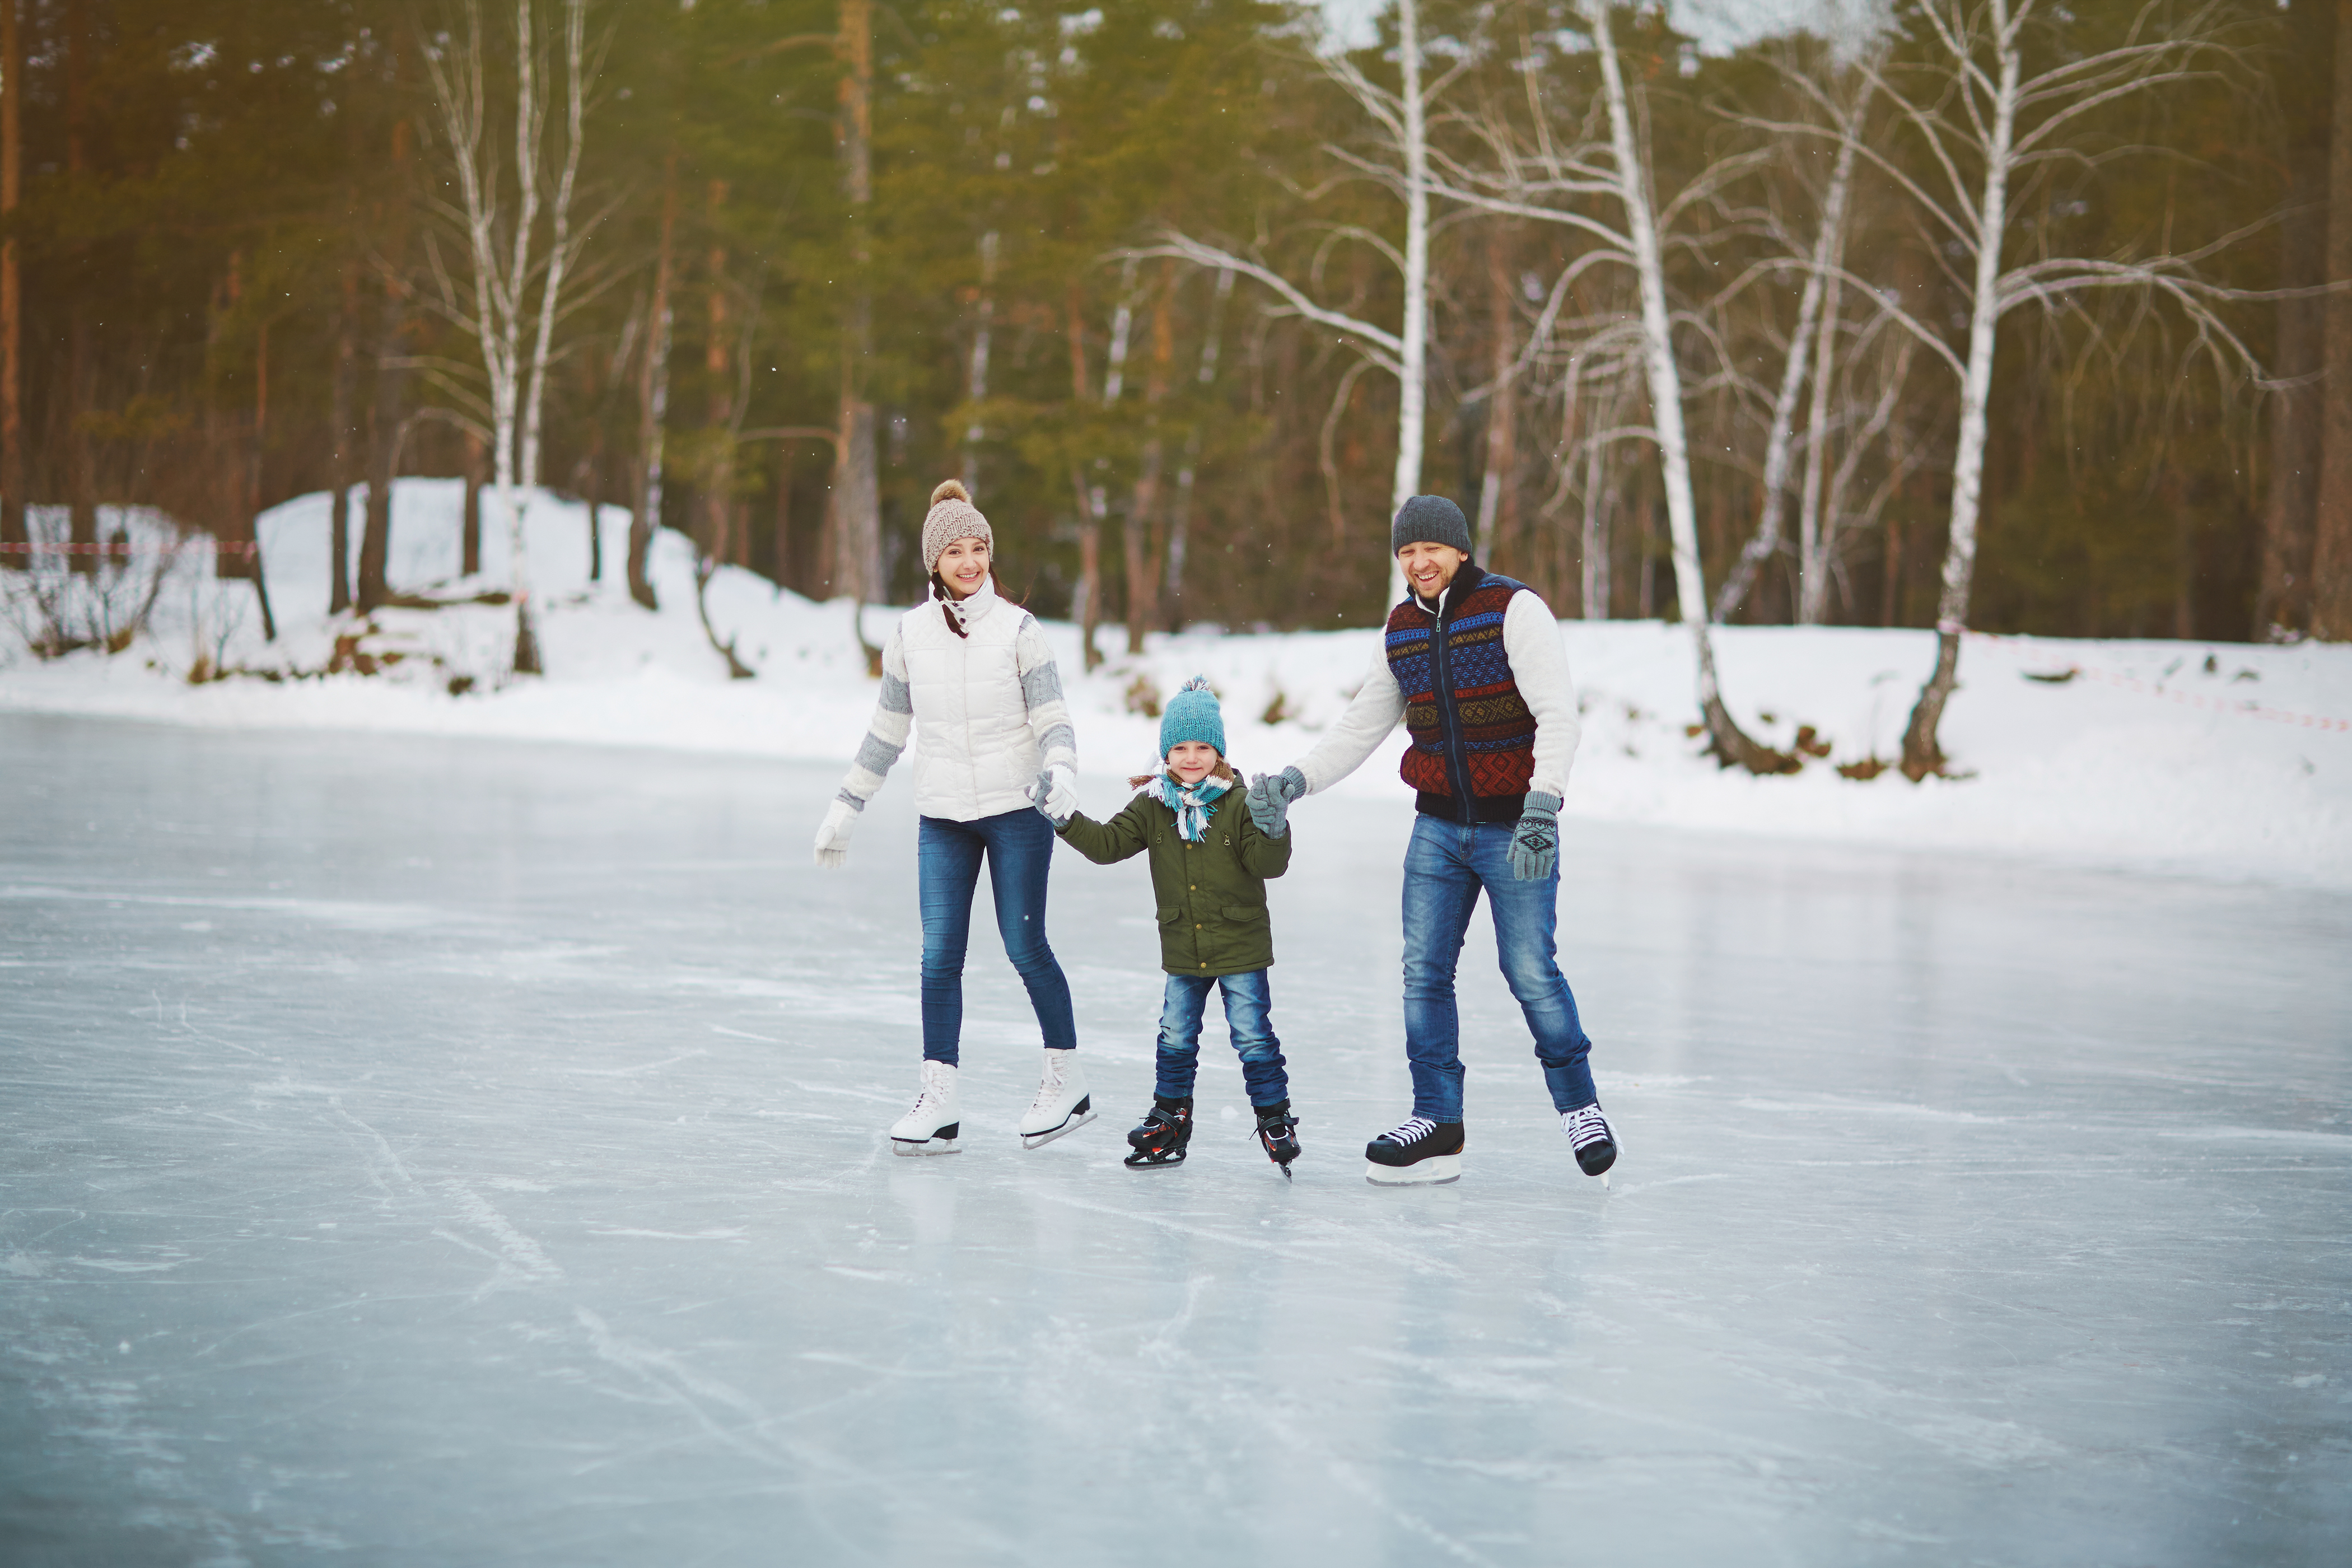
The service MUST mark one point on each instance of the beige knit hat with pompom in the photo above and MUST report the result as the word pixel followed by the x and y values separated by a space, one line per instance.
pixel 952 517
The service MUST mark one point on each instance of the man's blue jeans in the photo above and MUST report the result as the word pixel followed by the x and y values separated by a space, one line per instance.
pixel 1446 867
pixel 1248 1008
pixel 1019 847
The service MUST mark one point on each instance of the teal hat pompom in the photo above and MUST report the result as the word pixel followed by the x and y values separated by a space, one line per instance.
pixel 1193 714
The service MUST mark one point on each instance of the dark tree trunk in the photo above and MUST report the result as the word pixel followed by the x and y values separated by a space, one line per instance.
pixel 339 528
pixel 387 417
pixel 13 535
pixel 2331 565
pixel 470 541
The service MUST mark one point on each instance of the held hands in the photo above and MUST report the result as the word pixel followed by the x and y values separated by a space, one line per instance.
pixel 832 834
pixel 1270 795
pixel 1535 843
pixel 1055 795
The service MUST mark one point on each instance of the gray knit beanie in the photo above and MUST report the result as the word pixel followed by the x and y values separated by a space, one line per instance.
pixel 952 517
pixel 1423 519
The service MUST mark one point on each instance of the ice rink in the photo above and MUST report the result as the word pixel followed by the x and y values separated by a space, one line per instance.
pixel 429 1152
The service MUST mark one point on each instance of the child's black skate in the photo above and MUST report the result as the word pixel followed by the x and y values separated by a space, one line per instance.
pixel 1162 1137
pixel 1417 1152
pixel 1275 1124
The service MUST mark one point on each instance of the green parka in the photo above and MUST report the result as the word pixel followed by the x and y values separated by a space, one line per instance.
pixel 1211 895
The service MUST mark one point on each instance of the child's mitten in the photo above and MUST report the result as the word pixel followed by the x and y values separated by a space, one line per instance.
pixel 1270 795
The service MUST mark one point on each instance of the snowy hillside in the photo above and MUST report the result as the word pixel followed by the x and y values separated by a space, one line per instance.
pixel 2214 760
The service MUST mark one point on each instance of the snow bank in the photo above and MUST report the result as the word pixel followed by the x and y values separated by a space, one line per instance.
pixel 2217 760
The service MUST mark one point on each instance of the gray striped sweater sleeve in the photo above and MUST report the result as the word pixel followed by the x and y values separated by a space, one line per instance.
pixel 1041 689
pixel 885 733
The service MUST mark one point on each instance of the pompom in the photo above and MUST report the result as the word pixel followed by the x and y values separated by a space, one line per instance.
pixel 950 490
pixel 1199 683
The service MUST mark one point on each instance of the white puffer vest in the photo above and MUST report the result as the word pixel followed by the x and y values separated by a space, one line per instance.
pixel 974 754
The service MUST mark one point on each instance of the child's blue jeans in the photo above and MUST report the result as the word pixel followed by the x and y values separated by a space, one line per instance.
pixel 1249 1005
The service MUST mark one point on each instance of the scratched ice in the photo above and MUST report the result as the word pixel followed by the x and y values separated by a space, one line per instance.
pixel 448 1152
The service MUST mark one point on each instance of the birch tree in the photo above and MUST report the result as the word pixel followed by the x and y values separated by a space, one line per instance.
pixel 518 272
pixel 1539 172
pixel 1995 124
pixel 1401 120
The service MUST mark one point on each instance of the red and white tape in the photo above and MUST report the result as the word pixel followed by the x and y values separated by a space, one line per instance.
pixel 2244 708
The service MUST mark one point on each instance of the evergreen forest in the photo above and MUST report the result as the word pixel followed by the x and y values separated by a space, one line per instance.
pixel 1188 292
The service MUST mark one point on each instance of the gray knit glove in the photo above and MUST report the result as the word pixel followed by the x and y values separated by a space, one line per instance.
pixel 1535 843
pixel 1270 795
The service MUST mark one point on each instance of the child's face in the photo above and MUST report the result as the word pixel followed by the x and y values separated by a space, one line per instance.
pixel 1190 761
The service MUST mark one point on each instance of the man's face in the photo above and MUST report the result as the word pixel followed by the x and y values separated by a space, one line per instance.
pixel 1430 567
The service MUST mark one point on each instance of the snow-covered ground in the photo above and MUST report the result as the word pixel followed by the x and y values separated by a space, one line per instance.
pixel 2214 760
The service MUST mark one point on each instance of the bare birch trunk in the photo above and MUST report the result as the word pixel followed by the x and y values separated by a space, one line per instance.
pixel 1829 244
pixel 1921 754
pixel 718 480
pixel 1813 543
pixel 1729 742
pixel 469 525
pixel 1502 403
pixel 1412 356
pixel 652 398
pixel 1594 588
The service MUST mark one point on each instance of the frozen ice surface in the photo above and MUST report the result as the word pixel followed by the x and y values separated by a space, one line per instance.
pixel 424 1150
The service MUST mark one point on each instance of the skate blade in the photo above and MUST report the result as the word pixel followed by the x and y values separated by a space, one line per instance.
pixel 1434 1171
pixel 1153 1165
pixel 923 1146
pixel 1039 1140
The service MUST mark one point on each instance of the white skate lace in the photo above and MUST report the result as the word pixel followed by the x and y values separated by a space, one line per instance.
pixel 1412 1130
pixel 1050 1088
pixel 1586 1126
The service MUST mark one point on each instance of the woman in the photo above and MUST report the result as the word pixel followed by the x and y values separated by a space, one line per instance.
pixel 997 752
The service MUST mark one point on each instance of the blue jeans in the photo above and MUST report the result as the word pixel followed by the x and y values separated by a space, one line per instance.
pixel 1446 867
pixel 1248 1004
pixel 1019 845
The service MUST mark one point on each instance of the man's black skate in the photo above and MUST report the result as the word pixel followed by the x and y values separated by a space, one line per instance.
pixel 1417 1152
pixel 1162 1139
pixel 1275 1124
pixel 1590 1136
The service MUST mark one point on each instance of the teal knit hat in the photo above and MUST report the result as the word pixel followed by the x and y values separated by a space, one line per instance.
pixel 1192 715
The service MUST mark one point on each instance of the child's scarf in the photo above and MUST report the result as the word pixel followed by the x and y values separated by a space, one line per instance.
pixel 1190 803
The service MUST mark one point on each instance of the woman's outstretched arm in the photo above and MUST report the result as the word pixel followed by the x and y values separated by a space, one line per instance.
pixel 1041 688
pixel 885 738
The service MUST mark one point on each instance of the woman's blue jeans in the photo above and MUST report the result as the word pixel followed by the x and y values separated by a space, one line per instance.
pixel 1019 848
pixel 1446 865
pixel 1248 1008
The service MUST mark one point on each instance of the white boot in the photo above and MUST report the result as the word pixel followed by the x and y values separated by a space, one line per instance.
pixel 931 1128
pixel 1062 1104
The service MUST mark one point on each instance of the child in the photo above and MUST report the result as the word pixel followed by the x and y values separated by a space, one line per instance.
pixel 1209 868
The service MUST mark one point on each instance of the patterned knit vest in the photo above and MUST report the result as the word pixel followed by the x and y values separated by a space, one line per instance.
pixel 1477 728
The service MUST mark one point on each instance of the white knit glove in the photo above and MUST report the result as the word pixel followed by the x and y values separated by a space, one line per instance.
pixel 1056 793
pixel 832 834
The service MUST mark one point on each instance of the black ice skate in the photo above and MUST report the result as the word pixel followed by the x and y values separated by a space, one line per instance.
pixel 1274 1123
pixel 1590 1136
pixel 1417 1152
pixel 1161 1140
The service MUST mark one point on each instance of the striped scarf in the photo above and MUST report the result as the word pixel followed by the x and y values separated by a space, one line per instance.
pixel 1190 803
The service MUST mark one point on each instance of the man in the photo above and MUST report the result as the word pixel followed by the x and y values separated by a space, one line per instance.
pixel 1472 662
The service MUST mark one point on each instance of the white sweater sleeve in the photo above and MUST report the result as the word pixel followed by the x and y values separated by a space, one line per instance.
pixel 1539 664
pixel 1041 689
pixel 1377 707
pixel 886 733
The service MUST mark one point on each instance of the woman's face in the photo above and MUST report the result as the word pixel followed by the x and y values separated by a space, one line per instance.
pixel 963 566
pixel 1190 761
